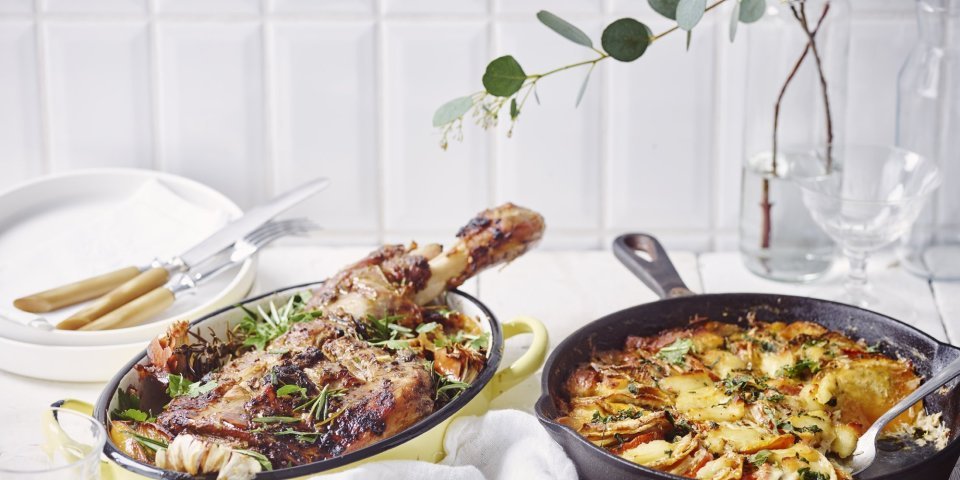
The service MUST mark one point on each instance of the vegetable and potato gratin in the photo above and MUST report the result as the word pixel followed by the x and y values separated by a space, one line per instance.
pixel 371 352
pixel 721 402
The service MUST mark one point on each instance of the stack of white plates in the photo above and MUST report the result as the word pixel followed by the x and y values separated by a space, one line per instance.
pixel 52 206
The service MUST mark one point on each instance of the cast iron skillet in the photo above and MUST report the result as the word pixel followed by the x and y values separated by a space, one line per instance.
pixel 678 305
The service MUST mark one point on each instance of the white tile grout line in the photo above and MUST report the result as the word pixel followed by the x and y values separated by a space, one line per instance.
pixel 380 111
pixel 493 141
pixel 604 200
pixel 153 59
pixel 43 90
pixel 269 113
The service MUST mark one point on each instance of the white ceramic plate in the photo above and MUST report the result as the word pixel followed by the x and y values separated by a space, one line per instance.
pixel 50 206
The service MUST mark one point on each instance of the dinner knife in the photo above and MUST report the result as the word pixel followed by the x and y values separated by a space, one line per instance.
pixel 128 283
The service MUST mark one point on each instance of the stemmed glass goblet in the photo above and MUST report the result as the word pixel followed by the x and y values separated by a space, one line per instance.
pixel 868 200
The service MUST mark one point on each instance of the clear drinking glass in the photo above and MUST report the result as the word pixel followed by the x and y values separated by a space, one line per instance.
pixel 928 118
pixel 58 443
pixel 866 202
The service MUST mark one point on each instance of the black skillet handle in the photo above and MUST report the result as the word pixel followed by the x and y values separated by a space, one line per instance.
pixel 657 273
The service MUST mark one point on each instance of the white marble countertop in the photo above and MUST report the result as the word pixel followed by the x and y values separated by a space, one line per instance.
pixel 564 289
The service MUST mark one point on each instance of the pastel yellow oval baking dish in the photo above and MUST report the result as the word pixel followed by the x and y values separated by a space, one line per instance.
pixel 422 441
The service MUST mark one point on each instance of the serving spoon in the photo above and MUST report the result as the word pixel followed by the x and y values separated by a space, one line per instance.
pixel 866 451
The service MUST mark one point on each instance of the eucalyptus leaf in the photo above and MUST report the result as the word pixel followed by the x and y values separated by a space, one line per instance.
pixel 514 111
pixel 667 8
pixel 689 13
pixel 504 76
pixel 626 39
pixel 452 110
pixel 734 20
pixel 583 86
pixel 752 10
pixel 564 28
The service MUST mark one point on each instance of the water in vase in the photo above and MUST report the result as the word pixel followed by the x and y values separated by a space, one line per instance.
pixel 797 250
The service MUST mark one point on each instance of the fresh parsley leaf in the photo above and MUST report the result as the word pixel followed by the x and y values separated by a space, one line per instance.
pixel 178 386
pixel 259 457
pixel 675 352
pixel 482 341
pixel 759 458
pixel 133 414
pixel 291 390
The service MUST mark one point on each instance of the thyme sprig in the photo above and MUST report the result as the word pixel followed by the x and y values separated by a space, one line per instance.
pixel 260 327
pixel 319 405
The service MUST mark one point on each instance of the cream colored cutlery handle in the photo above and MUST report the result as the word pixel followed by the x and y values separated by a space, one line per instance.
pixel 117 297
pixel 73 293
pixel 138 310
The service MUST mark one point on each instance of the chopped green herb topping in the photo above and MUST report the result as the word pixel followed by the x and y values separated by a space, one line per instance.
pixel 676 351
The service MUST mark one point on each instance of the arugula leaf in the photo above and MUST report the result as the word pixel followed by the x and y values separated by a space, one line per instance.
pixel 759 458
pixel 675 352
pixel 178 386
pixel 259 457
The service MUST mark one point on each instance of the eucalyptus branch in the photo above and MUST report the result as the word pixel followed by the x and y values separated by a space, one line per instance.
pixel 625 40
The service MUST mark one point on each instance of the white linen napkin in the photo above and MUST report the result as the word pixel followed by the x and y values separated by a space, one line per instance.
pixel 153 222
pixel 499 445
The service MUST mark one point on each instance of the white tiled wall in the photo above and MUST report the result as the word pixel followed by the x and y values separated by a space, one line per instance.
pixel 253 96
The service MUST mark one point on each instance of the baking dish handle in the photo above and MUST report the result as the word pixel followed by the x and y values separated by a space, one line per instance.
pixel 530 361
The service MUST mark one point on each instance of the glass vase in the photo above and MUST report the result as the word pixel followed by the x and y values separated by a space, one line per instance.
pixel 795 105
pixel 928 119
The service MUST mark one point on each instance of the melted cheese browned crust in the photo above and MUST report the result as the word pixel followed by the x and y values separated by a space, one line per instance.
pixel 722 402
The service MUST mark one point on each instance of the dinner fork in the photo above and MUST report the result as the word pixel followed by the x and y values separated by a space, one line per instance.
pixel 159 299
pixel 866 451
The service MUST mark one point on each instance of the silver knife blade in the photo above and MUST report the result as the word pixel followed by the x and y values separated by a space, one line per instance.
pixel 249 222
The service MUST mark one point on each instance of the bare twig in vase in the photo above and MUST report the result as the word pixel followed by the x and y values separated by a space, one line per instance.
pixel 765 205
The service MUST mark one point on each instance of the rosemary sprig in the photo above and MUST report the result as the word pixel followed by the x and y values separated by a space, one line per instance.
pixel 259 457
pixel 305 437
pixel 151 443
pixel 276 420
